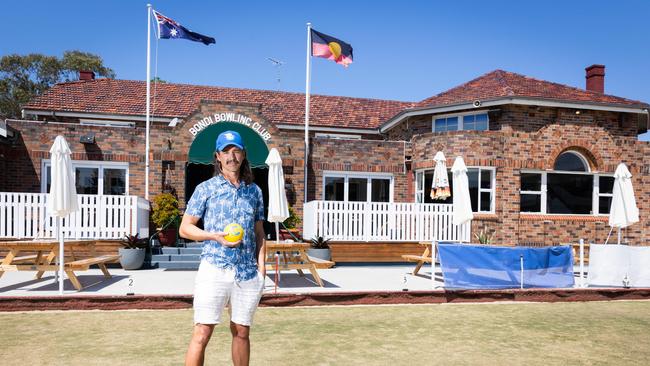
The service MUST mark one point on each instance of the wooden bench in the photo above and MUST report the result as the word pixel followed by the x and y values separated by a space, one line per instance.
pixel 84 264
pixel 321 263
pixel 25 259
pixel 425 257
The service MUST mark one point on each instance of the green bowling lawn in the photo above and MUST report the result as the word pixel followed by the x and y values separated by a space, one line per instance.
pixel 595 333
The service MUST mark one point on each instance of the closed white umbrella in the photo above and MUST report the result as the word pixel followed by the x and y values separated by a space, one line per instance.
pixel 462 202
pixel 624 211
pixel 62 199
pixel 440 183
pixel 278 207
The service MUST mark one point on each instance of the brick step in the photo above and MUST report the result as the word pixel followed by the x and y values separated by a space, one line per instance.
pixel 176 258
pixel 173 250
pixel 175 265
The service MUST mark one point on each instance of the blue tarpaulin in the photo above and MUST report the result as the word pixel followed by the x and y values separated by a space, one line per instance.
pixel 470 266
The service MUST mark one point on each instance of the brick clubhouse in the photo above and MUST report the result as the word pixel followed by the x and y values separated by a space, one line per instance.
pixel 541 155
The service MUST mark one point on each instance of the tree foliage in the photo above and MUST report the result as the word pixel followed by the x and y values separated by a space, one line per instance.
pixel 23 77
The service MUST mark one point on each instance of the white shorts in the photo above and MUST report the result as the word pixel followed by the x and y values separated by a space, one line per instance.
pixel 214 287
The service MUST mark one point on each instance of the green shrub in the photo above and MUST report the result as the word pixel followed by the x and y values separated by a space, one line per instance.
pixel 165 209
pixel 293 220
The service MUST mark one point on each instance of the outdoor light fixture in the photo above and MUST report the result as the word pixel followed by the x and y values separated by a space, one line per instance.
pixel 88 138
pixel 173 122
pixel 578 112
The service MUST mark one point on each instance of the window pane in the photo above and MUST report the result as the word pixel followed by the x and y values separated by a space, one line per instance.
pixel 486 179
pixel 472 178
pixel 486 201
pixel 334 188
pixel 419 181
pixel 441 125
pixel 115 181
pixel 468 119
pixel 530 203
pixel 606 184
pixel 569 194
pixel 86 180
pixel 452 124
pixel 570 162
pixel 49 178
pixel 531 182
pixel 604 205
pixel 380 190
pixel 357 189
pixel 481 117
pixel 481 126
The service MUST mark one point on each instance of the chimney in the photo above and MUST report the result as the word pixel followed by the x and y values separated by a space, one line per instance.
pixel 86 75
pixel 595 75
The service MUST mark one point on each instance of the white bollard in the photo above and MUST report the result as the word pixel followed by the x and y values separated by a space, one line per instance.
pixel 582 263
pixel 521 265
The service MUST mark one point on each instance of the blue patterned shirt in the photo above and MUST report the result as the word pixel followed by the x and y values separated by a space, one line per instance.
pixel 220 203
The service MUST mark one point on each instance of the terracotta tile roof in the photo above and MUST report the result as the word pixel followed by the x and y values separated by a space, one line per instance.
pixel 500 84
pixel 127 97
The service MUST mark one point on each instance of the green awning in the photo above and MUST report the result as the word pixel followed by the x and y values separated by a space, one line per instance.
pixel 202 149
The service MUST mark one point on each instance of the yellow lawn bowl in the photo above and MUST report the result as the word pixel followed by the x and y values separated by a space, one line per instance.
pixel 234 232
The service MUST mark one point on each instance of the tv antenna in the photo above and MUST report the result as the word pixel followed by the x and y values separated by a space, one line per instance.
pixel 277 63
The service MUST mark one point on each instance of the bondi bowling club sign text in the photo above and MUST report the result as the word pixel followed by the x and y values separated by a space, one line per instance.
pixel 230 117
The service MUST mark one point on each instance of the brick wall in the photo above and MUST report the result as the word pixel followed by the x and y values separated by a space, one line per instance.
pixel 520 137
pixel 532 138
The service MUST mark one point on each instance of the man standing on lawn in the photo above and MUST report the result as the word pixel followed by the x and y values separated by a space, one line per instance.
pixel 229 271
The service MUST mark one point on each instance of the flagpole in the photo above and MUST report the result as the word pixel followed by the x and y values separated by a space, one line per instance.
pixel 146 154
pixel 307 87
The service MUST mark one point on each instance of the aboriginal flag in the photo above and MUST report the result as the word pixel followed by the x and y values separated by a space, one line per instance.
pixel 330 48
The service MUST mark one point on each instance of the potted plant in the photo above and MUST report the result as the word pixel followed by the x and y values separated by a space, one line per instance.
pixel 132 255
pixel 290 224
pixel 320 248
pixel 165 217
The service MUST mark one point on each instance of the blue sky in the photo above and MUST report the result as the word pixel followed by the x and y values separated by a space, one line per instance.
pixel 403 50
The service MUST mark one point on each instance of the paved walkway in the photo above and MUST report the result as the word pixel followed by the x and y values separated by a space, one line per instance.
pixel 342 278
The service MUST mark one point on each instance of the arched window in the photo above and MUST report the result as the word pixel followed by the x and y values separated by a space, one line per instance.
pixel 571 161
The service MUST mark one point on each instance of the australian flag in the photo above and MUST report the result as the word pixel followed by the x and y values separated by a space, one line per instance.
pixel 169 28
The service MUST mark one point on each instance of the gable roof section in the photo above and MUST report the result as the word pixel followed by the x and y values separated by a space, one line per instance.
pixel 504 84
pixel 127 97
pixel 502 87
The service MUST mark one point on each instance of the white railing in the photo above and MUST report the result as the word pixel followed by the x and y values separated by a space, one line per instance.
pixel 374 221
pixel 25 215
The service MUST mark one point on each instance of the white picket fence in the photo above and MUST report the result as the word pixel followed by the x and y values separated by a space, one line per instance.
pixel 375 221
pixel 25 215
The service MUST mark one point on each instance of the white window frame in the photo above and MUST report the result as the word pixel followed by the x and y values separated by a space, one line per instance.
pixel 582 159
pixel 544 209
pixel 541 192
pixel 598 194
pixel 491 190
pixel 100 165
pixel 369 176
pixel 460 119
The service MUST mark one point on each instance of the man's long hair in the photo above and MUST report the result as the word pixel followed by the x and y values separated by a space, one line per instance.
pixel 245 172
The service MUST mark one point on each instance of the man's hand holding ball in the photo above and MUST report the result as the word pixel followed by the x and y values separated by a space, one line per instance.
pixel 231 236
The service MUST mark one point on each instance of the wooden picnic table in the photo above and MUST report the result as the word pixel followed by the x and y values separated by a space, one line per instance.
pixel 421 259
pixel 47 251
pixel 294 256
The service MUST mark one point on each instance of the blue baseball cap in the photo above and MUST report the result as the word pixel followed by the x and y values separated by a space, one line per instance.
pixel 227 138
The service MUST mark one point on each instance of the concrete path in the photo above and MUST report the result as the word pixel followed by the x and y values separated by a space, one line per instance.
pixel 343 278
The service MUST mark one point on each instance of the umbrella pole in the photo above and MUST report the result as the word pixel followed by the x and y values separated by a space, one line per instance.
pixel 61 259
pixel 619 235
